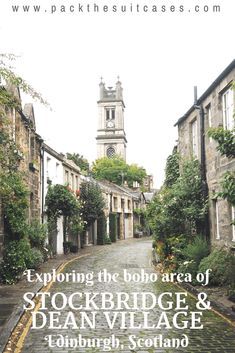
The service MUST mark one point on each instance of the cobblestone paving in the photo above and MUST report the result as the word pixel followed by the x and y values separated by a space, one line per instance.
pixel 217 334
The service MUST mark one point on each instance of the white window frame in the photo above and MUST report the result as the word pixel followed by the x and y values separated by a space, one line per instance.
pixel 112 113
pixel 217 219
pixel 72 181
pixel 66 175
pixel 228 108
pixel 233 225
pixel 194 131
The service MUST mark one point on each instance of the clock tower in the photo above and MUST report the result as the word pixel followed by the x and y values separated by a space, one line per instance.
pixel 111 137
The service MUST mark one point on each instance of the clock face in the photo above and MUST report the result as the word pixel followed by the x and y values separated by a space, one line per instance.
pixel 110 124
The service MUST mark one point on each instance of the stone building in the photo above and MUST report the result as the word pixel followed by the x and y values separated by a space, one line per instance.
pixel 23 130
pixel 120 201
pixel 214 108
pixel 111 137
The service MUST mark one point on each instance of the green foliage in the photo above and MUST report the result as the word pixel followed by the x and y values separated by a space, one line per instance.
pixel 228 187
pixel 14 195
pixel 196 250
pixel 226 146
pixel 192 255
pixel 37 234
pixel 172 171
pixel 80 161
pixel 181 208
pixel 113 227
pixel 13 191
pixel 112 169
pixel 188 190
pixel 117 171
pixel 92 202
pixel 61 202
pixel 8 74
pixel 101 229
pixel 76 224
pixel 67 246
pixel 17 257
pixel 225 139
pixel 34 259
pixel 135 173
pixel 13 264
pixel 222 265
pixel 107 240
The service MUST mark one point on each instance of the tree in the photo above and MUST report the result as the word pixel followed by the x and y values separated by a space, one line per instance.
pixel 80 161
pixel 135 173
pixel 92 202
pixel 117 171
pixel 60 201
pixel 179 207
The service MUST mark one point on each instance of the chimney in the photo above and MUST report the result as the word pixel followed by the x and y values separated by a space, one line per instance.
pixel 195 95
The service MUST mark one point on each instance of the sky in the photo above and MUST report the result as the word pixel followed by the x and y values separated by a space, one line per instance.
pixel 159 58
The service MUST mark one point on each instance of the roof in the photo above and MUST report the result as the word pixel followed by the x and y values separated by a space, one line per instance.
pixel 112 187
pixel 148 196
pixel 214 84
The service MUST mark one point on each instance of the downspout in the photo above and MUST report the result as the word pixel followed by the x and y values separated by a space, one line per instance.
pixel 43 177
pixel 198 105
pixel 203 166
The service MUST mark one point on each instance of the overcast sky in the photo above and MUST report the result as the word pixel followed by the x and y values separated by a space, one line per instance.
pixel 158 56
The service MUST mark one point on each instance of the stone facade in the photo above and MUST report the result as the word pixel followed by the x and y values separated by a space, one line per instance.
pixel 120 201
pixel 23 129
pixel 214 108
pixel 111 137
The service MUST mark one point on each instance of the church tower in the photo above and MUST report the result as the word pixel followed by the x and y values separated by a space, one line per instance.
pixel 111 137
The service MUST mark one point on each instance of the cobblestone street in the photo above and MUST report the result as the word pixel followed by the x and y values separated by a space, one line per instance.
pixel 217 334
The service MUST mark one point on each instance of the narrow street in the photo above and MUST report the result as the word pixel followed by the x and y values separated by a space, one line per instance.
pixel 217 334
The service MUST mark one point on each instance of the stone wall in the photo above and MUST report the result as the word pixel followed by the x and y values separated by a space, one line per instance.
pixel 23 131
pixel 215 164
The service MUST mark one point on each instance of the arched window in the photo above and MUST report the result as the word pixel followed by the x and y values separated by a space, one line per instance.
pixel 110 152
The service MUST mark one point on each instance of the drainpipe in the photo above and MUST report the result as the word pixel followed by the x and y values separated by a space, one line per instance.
pixel 203 166
pixel 202 157
pixel 43 177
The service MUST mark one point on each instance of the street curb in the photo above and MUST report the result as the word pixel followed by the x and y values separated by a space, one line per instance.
pixel 216 306
pixel 219 308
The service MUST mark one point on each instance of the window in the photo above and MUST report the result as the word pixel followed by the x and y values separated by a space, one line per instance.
pixel 48 167
pixel 227 107
pixel 110 113
pixel 217 220
pixel 208 113
pixel 76 182
pixel 56 169
pixel 233 225
pixel 110 152
pixel 72 181
pixel 115 203
pixel 194 129
pixel 32 148
pixel 66 177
